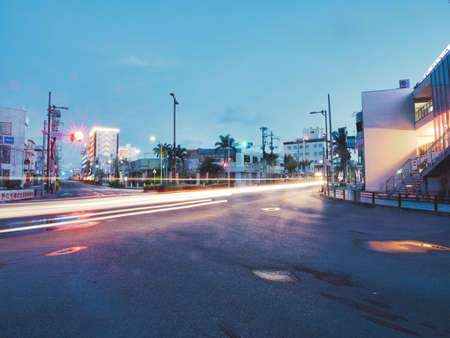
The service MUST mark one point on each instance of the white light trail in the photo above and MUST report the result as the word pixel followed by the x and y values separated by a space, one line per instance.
pixel 52 207
pixel 102 218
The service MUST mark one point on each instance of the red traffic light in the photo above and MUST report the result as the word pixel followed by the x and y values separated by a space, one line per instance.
pixel 76 136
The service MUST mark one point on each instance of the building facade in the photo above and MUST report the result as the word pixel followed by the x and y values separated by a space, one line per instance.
pixel 129 153
pixel 404 134
pixel 12 144
pixel 100 156
pixel 310 148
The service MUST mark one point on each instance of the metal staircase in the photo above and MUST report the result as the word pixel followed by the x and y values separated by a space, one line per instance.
pixel 411 174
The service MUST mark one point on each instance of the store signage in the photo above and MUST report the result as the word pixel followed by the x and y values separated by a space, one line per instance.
pixel 11 195
pixel 8 140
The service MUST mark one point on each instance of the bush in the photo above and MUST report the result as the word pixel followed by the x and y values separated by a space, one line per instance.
pixel 117 184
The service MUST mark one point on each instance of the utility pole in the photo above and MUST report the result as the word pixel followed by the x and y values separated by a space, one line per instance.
pixel 47 174
pixel 331 143
pixel 263 147
pixel 175 102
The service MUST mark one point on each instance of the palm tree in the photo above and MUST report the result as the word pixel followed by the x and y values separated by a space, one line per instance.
pixel 340 139
pixel 181 153
pixel 227 145
pixel 209 166
pixel 166 152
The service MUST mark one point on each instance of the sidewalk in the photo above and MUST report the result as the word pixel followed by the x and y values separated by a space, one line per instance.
pixel 408 204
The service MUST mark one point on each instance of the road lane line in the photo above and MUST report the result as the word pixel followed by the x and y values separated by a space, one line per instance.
pixel 50 225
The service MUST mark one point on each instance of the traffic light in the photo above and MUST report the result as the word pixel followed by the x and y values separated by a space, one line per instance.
pixel 76 136
pixel 225 164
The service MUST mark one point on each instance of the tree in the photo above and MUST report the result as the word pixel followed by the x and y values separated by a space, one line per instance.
pixel 340 139
pixel 209 166
pixel 290 164
pixel 227 145
pixel 181 153
pixel 166 152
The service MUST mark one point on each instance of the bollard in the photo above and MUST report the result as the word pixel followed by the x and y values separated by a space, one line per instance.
pixel 343 194
pixel 354 195
pixel 435 203
pixel 399 200
pixel 334 192
pixel 373 198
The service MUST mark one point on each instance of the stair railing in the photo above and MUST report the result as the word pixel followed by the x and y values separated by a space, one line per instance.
pixel 434 150
pixel 407 169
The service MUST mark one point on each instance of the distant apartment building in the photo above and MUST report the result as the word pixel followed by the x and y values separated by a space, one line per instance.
pixel 129 153
pixel 310 147
pixel 12 144
pixel 403 134
pixel 245 164
pixel 101 152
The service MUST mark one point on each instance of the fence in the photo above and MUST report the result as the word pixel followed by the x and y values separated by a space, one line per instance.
pixel 407 201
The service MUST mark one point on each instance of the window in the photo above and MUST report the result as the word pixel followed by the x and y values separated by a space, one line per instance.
pixel 289 147
pixel 301 147
pixel 320 152
pixel 307 146
pixel 246 158
pixel 5 154
pixel 307 154
pixel 5 128
pixel 315 145
pixel 315 153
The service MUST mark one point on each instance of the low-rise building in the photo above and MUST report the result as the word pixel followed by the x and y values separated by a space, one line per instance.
pixel 12 144
pixel 404 134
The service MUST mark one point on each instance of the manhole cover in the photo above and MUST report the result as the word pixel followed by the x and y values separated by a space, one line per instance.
pixel 270 209
pixel 405 246
pixel 275 276
pixel 66 251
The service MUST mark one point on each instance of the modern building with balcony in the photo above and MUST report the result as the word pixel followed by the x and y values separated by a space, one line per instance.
pixel 403 134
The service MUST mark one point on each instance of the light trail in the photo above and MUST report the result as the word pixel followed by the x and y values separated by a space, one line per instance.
pixel 52 207
pixel 102 218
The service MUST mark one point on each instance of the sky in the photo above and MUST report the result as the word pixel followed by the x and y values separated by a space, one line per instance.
pixel 234 65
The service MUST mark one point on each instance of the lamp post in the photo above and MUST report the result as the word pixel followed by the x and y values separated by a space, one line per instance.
pixel 324 113
pixel 153 139
pixel 175 102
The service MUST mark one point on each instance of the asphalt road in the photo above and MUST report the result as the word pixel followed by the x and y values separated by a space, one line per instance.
pixel 201 271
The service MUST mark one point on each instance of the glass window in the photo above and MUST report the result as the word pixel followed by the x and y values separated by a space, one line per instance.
pixel 289 147
pixel 295 147
pixel 307 154
pixel 315 153
pixel 301 147
pixel 5 128
pixel 315 145
pixel 321 153
pixel 5 154
pixel 307 146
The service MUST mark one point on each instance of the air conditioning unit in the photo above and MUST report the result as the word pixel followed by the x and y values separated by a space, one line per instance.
pixel 404 83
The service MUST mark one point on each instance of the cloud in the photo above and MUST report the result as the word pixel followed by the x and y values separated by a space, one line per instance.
pixel 237 115
pixel 153 62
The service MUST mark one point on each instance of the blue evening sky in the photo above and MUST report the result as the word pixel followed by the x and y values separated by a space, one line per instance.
pixel 234 65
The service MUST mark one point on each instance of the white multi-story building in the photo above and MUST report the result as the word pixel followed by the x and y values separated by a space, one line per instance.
pixel 310 148
pixel 128 152
pixel 100 152
pixel 12 143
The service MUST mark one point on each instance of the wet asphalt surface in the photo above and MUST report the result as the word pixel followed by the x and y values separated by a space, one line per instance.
pixel 190 273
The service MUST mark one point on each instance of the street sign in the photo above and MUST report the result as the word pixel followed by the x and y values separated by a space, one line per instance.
pixel 8 140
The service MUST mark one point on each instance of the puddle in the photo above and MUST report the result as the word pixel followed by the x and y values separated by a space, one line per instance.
pixel 270 209
pixel 275 276
pixel 66 251
pixel 404 246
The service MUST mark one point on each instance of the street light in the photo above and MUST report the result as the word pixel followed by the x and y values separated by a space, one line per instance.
pixel 152 138
pixel 175 102
pixel 324 113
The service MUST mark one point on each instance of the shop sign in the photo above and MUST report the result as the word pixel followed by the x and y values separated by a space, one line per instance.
pixel 12 195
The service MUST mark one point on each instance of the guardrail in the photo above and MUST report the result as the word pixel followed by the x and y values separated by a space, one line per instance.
pixel 433 203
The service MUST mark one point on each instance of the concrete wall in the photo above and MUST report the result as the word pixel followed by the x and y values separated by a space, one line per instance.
pixel 389 134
